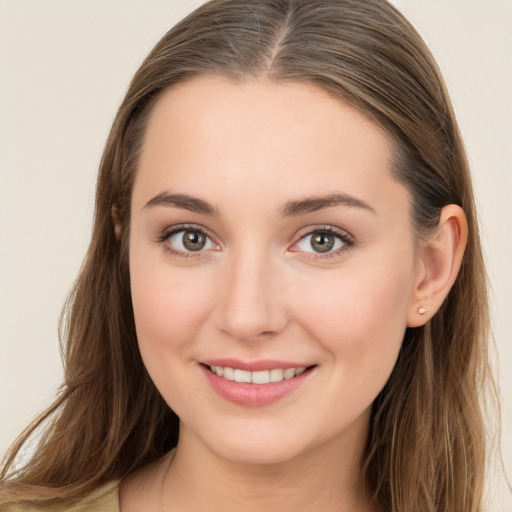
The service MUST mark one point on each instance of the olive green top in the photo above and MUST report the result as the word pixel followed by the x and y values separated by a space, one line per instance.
pixel 103 499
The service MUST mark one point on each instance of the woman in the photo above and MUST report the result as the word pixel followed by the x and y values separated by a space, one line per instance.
pixel 281 260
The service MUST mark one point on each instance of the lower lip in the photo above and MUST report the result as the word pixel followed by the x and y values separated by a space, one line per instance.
pixel 254 395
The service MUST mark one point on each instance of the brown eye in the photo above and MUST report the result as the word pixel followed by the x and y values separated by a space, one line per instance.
pixel 194 240
pixel 322 241
pixel 189 240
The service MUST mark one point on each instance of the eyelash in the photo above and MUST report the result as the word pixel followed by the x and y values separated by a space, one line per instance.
pixel 164 237
pixel 347 240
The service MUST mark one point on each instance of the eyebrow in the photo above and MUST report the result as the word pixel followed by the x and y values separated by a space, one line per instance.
pixel 291 208
pixel 190 203
pixel 315 203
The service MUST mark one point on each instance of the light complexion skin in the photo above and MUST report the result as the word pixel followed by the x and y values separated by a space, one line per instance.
pixel 268 233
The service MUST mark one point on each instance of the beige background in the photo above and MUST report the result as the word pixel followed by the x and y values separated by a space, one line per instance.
pixel 64 66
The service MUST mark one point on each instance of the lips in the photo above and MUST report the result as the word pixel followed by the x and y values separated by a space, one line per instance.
pixel 255 384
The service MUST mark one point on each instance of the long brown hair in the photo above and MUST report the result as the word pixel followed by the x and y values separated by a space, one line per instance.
pixel 426 448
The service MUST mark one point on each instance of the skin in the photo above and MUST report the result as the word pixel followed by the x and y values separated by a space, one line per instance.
pixel 258 290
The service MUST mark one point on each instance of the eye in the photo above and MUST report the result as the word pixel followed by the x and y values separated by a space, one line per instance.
pixel 188 240
pixel 321 241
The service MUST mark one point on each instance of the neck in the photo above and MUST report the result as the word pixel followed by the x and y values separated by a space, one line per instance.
pixel 327 478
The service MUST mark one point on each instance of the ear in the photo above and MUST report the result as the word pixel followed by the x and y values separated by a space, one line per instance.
pixel 438 264
pixel 116 221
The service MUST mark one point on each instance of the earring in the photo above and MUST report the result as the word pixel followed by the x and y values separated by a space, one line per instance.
pixel 421 310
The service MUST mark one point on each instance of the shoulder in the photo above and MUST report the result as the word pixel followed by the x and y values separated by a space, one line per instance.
pixel 103 499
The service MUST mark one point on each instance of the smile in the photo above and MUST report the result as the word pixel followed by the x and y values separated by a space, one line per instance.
pixel 258 377
pixel 256 383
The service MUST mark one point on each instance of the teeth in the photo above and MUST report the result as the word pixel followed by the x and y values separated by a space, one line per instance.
pixel 242 376
pixel 276 375
pixel 228 373
pixel 289 373
pixel 260 377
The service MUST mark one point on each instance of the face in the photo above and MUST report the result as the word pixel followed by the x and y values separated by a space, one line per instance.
pixel 272 264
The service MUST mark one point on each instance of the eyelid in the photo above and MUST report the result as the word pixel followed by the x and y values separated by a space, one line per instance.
pixel 343 235
pixel 346 238
pixel 168 232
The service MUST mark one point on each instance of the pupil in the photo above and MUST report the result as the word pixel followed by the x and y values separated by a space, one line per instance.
pixel 193 240
pixel 322 242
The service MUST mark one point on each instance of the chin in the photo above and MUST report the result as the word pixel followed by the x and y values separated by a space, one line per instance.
pixel 260 454
pixel 249 442
pixel 259 443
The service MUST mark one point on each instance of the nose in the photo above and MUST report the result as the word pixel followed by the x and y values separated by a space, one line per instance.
pixel 251 300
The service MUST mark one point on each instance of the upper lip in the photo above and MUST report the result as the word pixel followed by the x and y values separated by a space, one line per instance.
pixel 254 366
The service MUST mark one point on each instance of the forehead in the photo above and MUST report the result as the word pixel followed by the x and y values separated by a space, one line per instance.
pixel 214 136
pixel 213 104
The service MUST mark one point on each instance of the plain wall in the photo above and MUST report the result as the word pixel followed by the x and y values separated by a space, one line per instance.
pixel 64 67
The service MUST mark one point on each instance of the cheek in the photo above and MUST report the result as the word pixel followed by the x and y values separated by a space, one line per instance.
pixel 162 307
pixel 359 317
pixel 169 308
